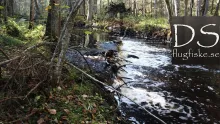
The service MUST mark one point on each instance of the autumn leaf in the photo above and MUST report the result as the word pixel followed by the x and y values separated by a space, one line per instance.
pixel 52 111
pixel 40 121
pixel 67 111
pixel 69 97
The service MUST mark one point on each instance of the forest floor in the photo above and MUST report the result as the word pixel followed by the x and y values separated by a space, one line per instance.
pixel 75 100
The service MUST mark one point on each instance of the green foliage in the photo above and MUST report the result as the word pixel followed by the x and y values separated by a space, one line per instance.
pixel 2 7
pixel 140 23
pixel 88 32
pixel 20 30
pixel 9 41
pixel 12 28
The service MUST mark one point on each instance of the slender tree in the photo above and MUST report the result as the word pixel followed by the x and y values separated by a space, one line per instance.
pixel 191 7
pixel 206 7
pixel 5 15
pixel 31 19
pixel 186 7
pixel 212 6
pixel 175 8
pixel 53 24
pixel 217 9
pixel 90 10
pixel 168 7
pixel 198 7
pixel 155 8
pixel 135 8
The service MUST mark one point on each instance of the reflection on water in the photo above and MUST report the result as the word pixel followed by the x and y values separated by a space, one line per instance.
pixel 176 94
pixel 90 40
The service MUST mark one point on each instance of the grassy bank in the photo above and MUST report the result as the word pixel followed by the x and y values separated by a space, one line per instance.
pixel 139 23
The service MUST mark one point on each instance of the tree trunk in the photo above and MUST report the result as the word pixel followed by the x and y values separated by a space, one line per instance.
pixel 151 8
pixel 31 19
pixel 168 10
pixel 191 7
pixel 95 6
pixel 178 7
pixel 82 9
pixel 135 8
pixel 10 7
pixel 212 9
pixel 175 8
pixel 155 8
pixel 198 7
pixel 217 9
pixel 37 9
pixel 186 7
pixel 90 10
pixel 206 7
pixel 53 24
pixel 5 12
pixel 143 7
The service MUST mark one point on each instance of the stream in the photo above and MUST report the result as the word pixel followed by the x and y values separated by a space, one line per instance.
pixel 174 93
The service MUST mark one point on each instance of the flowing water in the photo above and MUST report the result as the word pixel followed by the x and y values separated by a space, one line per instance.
pixel 176 94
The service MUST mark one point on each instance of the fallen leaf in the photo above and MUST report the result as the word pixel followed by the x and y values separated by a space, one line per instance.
pixel 64 117
pixel 84 96
pixel 69 97
pixel 52 111
pixel 40 121
pixel 67 111
pixel 59 88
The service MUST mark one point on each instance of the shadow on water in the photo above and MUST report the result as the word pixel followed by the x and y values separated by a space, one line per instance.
pixel 176 94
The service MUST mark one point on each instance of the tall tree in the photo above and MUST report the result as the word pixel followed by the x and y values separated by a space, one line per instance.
pixel 82 10
pixel 168 7
pixel 186 7
pixel 198 7
pixel 217 9
pixel 212 6
pixel 155 8
pixel 135 8
pixel 31 19
pixel 53 22
pixel 37 9
pixel 10 7
pixel 206 7
pixel 191 7
pixel 5 15
pixel 90 10
pixel 175 8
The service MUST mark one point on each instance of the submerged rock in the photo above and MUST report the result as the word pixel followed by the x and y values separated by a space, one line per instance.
pixel 132 56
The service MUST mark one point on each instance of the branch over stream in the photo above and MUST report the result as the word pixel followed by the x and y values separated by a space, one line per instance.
pixel 102 83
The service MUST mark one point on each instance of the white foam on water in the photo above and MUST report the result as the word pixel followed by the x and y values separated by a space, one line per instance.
pixel 140 95
pixel 146 58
